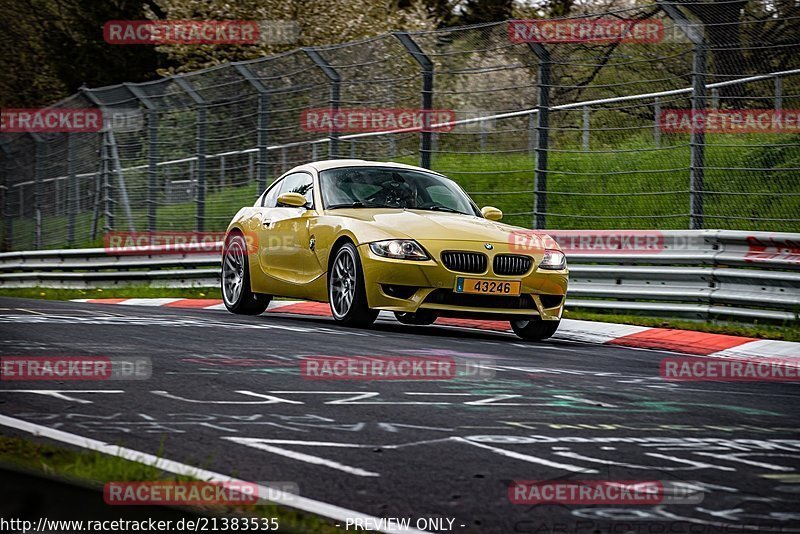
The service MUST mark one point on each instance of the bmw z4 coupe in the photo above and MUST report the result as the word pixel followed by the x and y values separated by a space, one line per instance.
pixel 367 236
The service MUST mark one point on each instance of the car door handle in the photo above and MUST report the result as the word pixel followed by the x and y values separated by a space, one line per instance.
pixel 266 222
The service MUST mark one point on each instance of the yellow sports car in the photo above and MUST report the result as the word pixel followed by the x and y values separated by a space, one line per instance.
pixel 368 236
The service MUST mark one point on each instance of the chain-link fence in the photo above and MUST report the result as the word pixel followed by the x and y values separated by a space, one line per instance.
pixel 557 132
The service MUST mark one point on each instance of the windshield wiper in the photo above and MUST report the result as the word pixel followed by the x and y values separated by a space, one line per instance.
pixel 439 207
pixel 356 204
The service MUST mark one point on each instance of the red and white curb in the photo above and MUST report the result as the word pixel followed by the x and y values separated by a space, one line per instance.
pixel 684 341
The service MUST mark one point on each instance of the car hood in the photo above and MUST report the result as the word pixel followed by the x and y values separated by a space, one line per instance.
pixel 432 225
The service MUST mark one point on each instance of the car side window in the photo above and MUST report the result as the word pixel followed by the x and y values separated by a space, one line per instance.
pixel 299 182
pixel 270 199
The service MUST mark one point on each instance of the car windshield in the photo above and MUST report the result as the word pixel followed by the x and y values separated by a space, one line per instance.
pixel 386 187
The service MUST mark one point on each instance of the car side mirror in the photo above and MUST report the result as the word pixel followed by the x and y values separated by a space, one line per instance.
pixel 491 213
pixel 294 200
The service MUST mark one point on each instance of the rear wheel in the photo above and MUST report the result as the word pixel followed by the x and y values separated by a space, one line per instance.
pixel 346 289
pixel 235 279
pixel 534 329
pixel 420 318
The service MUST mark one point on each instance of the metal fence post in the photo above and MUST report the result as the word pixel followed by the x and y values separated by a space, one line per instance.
pixel 696 34
pixel 262 165
pixel 72 190
pixel 336 82
pixel 8 221
pixel 427 95
pixel 41 156
pixel 532 134
pixel 698 139
pixel 585 133
pixel 657 121
pixel 542 135
pixel 778 93
pixel 108 201
pixel 202 124
pixel 152 156
pixel 116 164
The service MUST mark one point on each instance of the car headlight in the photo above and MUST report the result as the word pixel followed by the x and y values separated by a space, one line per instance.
pixel 554 260
pixel 401 249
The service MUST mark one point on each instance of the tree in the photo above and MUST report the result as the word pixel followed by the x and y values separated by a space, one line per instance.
pixel 317 23
pixel 52 47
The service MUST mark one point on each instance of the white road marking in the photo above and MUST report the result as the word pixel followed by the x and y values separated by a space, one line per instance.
pixel 61 393
pixel 260 444
pixel 528 458
pixel 291 501
pixel 147 301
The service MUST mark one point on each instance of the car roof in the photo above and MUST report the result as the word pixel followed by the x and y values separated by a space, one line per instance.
pixel 324 165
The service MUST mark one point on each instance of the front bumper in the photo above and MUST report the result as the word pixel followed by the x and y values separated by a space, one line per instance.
pixel 410 286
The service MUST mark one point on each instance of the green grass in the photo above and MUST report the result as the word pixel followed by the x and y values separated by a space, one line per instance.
pixel 94 469
pixel 648 189
pixel 619 185
pixel 786 333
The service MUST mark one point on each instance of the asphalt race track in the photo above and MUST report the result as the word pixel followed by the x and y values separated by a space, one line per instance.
pixel 227 392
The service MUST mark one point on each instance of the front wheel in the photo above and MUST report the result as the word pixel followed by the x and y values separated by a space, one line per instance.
pixel 346 289
pixel 235 279
pixel 534 329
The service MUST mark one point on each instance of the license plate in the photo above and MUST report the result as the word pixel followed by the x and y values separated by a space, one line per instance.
pixel 488 287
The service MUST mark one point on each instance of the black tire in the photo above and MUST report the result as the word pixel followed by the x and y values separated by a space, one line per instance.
pixel 420 318
pixel 534 329
pixel 347 293
pixel 236 271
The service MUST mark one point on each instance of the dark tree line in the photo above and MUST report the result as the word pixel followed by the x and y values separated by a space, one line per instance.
pixel 52 47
